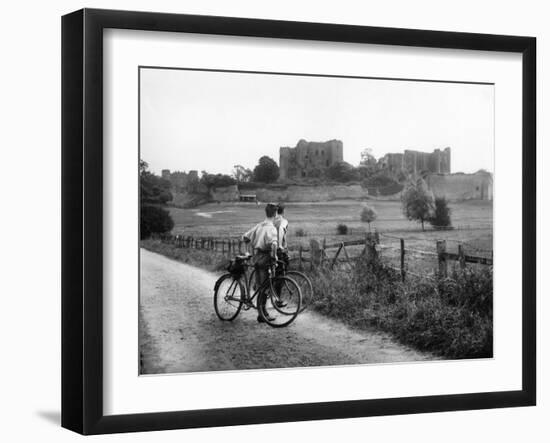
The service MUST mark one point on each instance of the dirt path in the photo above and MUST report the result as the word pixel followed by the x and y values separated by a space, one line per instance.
pixel 179 330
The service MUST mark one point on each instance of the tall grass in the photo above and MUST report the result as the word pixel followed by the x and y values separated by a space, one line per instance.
pixel 198 257
pixel 452 318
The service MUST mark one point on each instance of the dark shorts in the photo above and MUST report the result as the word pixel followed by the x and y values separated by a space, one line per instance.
pixel 261 262
pixel 282 256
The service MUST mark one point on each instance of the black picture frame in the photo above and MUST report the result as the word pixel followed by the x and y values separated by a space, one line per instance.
pixel 82 218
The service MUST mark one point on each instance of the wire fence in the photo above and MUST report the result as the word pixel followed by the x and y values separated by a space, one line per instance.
pixel 408 256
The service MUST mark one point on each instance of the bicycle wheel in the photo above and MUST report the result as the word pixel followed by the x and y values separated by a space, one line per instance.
pixel 305 285
pixel 228 297
pixel 279 301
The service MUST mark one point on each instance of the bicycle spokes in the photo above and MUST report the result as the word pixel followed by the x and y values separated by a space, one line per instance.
pixel 281 301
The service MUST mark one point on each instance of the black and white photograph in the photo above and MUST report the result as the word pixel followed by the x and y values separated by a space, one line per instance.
pixel 292 220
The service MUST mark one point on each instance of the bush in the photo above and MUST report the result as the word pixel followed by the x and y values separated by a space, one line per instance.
pixel 442 214
pixel 300 232
pixel 342 229
pixel 154 219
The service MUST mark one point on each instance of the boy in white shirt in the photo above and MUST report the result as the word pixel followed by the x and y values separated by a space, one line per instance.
pixel 281 224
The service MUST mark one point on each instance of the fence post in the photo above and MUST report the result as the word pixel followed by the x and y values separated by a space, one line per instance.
pixel 441 246
pixel 323 253
pixel 314 253
pixel 371 247
pixel 461 258
pixel 223 246
pixel 300 265
pixel 402 242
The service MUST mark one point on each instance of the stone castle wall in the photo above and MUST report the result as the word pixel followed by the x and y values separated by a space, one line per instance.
pixel 416 162
pixel 478 186
pixel 292 193
pixel 309 159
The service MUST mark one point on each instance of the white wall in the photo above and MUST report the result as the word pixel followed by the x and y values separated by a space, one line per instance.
pixel 30 217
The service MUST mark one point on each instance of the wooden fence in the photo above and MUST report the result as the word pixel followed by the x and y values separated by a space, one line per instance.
pixel 318 254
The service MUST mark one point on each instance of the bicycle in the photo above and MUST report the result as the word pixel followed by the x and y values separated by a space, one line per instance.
pixel 278 299
pixel 303 281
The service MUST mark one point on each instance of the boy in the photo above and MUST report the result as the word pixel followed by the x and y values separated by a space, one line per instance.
pixel 281 223
pixel 263 237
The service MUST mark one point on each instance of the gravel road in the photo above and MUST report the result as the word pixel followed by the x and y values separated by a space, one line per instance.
pixel 180 332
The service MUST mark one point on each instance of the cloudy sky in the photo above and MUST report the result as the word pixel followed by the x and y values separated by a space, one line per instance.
pixel 214 120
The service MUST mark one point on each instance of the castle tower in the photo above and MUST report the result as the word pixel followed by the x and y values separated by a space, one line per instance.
pixel 446 161
pixel 284 156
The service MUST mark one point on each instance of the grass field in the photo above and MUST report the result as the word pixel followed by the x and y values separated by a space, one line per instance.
pixel 472 221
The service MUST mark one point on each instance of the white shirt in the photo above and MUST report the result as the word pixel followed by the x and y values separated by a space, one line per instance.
pixel 263 235
pixel 281 224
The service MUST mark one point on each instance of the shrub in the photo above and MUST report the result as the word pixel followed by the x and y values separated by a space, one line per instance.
pixel 441 218
pixel 300 232
pixel 154 219
pixel 342 229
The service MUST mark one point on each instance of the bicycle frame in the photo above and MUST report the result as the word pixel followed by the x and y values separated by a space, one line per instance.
pixel 248 298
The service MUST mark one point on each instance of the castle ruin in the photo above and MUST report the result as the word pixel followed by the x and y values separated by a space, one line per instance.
pixel 309 159
pixel 416 162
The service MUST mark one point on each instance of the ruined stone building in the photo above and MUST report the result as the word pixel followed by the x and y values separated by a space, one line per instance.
pixel 309 159
pixel 460 186
pixel 416 162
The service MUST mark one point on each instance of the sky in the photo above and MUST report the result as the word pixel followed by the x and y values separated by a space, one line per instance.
pixel 214 120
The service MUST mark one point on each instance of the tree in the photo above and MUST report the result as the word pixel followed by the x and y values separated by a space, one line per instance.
pixel 154 193
pixel 153 189
pixel 267 170
pixel 368 214
pixel 216 180
pixel 367 158
pixel 441 218
pixel 242 174
pixel 342 172
pixel 417 202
